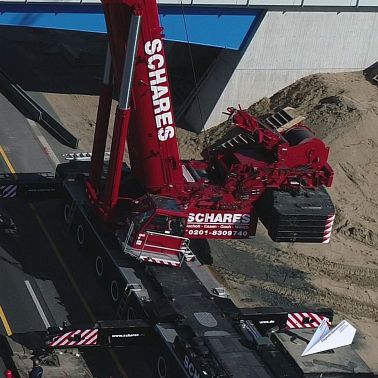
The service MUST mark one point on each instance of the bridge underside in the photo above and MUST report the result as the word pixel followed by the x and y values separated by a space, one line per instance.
pixel 237 54
pixel 229 27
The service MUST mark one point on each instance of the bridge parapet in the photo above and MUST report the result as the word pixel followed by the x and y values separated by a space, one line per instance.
pixel 237 3
pixel 269 3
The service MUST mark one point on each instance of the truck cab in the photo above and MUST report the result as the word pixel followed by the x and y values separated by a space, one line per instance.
pixel 155 231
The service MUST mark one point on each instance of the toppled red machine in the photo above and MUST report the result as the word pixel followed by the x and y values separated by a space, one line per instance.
pixel 255 167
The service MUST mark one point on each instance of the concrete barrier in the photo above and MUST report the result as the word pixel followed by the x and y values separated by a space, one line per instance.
pixel 25 104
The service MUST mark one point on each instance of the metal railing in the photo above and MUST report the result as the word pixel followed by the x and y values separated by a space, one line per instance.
pixel 245 3
pixel 128 236
pixel 179 252
pixel 182 252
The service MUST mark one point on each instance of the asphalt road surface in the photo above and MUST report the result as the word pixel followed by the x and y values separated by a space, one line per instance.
pixel 44 278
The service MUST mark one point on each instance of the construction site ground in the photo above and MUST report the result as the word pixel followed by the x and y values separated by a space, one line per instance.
pixel 341 108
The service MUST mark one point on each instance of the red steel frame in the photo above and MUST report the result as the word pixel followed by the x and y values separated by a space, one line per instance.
pixel 147 123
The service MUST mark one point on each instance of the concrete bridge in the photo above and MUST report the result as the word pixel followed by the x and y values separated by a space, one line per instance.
pixel 258 46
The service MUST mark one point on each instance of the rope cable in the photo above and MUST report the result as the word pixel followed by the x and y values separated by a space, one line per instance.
pixel 196 87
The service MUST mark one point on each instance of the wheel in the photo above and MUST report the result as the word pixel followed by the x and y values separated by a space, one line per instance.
pixel 80 235
pixel 162 367
pixel 114 291
pixel 66 212
pixel 99 267
pixel 130 313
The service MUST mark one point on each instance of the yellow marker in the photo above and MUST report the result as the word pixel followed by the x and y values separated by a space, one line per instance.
pixel 7 161
pixel 2 314
pixel 5 322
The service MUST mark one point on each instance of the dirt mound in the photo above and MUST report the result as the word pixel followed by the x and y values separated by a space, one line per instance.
pixel 330 102
pixel 192 144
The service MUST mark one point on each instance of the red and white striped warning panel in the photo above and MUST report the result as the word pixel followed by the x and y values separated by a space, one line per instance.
pixel 8 191
pixel 328 229
pixel 75 338
pixel 298 320
pixel 160 261
pixel 83 156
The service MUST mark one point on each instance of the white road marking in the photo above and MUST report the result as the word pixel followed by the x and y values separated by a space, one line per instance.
pixel 37 304
pixel 44 143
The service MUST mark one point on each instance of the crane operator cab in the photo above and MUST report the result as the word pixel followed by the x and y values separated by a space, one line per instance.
pixel 156 228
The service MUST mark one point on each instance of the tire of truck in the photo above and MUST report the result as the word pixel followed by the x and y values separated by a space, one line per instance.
pixel 165 367
pixel 162 368
pixel 133 308
pixel 99 267
pixel 66 212
pixel 131 313
pixel 80 234
pixel 114 291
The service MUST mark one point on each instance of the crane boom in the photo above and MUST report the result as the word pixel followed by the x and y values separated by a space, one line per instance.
pixel 144 116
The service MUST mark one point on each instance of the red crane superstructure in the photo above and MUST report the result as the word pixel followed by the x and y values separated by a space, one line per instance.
pixel 164 201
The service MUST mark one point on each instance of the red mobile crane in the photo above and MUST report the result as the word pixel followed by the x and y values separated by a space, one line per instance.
pixel 164 201
pixel 259 170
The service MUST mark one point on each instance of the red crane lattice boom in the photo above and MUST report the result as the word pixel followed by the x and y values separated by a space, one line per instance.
pixel 144 115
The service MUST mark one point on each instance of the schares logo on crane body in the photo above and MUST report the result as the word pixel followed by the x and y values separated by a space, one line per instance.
pixel 190 368
pixel 219 218
pixel 159 89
